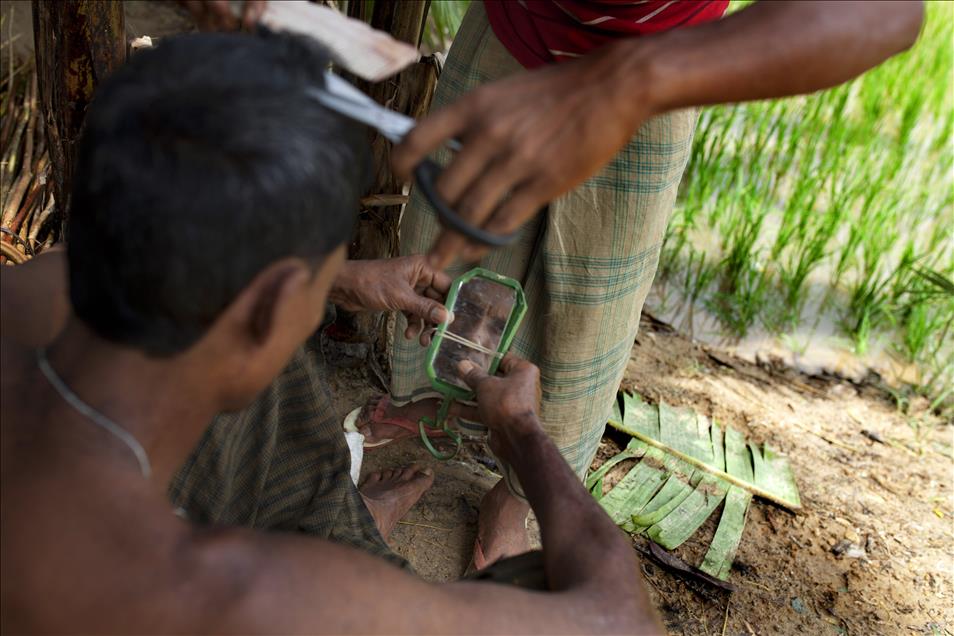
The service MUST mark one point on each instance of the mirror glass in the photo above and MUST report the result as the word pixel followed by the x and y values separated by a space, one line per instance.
pixel 481 312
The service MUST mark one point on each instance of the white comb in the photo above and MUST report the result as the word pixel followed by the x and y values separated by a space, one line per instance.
pixel 370 54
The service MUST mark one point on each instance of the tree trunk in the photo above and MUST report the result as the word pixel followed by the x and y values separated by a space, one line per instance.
pixel 410 92
pixel 78 43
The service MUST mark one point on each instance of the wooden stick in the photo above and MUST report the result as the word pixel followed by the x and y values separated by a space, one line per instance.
pixel 29 104
pixel 10 163
pixel 15 197
pixel 39 220
pixel 383 200
pixel 26 208
pixel 12 253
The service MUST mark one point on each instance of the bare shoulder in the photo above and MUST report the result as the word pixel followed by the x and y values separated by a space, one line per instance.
pixel 284 583
pixel 288 583
pixel 163 575
pixel 35 298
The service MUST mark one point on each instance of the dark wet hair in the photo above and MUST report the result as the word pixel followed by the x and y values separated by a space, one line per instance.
pixel 202 162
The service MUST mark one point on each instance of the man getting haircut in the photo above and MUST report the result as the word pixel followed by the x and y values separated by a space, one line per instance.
pixel 210 207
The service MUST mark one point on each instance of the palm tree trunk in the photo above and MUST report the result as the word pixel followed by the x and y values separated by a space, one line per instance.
pixel 410 92
pixel 78 43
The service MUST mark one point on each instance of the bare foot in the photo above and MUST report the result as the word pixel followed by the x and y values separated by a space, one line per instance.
pixel 501 527
pixel 374 427
pixel 389 494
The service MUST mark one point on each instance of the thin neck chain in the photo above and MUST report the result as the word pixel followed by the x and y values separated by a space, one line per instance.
pixel 92 414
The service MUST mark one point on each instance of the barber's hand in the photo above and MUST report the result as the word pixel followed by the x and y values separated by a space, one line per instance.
pixel 216 15
pixel 507 404
pixel 407 284
pixel 526 140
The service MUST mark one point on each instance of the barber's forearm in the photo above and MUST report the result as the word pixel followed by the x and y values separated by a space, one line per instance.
pixel 771 49
pixel 342 292
pixel 582 546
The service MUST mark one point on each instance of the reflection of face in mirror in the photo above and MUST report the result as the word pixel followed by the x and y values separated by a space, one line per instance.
pixel 481 312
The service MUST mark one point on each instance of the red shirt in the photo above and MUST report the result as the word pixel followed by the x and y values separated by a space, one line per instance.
pixel 539 32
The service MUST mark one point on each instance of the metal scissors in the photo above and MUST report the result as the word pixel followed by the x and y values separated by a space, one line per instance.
pixel 345 99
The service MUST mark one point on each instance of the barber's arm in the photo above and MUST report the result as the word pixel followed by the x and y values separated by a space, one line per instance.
pixel 533 136
pixel 407 284
pixel 587 558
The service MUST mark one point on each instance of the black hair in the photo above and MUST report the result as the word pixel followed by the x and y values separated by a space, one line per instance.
pixel 203 161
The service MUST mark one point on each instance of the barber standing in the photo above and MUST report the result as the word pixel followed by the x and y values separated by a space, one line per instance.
pixel 576 119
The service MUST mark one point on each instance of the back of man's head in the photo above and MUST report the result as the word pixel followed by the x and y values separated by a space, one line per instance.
pixel 202 162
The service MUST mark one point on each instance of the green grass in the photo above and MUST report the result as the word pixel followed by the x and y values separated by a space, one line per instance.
pixel 443 20
pixel 842 201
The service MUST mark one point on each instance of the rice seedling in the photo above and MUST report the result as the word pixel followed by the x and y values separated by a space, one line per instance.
pixel 742 283
pixel 838 202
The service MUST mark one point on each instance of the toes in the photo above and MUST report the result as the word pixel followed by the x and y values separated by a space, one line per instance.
pixel 398 475
pixel 371 479
pixel 425 477
pixel 425 473
pixel 416 472
pixel 409 472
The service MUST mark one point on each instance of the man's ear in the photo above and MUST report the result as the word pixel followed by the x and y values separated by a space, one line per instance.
pixel 255 311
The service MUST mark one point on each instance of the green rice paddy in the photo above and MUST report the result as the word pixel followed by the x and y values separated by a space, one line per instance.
pixel 838 203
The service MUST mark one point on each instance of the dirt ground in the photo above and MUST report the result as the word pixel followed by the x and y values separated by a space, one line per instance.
pixel 872 552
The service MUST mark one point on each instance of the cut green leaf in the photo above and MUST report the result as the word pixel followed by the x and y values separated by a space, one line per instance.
pixel 688 436
pixel 688 467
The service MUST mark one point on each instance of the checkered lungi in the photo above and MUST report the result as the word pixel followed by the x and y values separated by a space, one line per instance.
pixel 586 263
pixel 280 464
